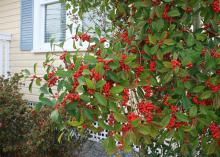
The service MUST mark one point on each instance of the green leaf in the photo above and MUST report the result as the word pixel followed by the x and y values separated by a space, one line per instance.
pixel 62 73
pixel 60 137
pixel 38 81
pixel 206 95
pixel 181 117
pixel 70 27
pixel 90 84
pixel 55 116
pixel 190 40
pixel 109 145
pixel 116 89
pixel 113 76
pixel 193 111
pixel 35 68
pixel 86 72
pixel 88 114
pixel 198 89
pixel 100 98
pixel 47 101
pixel 145 130
pixel 89 59
pixel 130 59
pixel 167 65
pixel 26 72
pixel 30 86
pixel 174 12
pixel 76 123
pixel 38 106
pixel 201 37
pixel 99 68
pixel 60 85
pixel 169 42
pixel 120 117
pixel 120 8
pixel 85 98
pixel 152 39
pixel 165 120
pixel 135 122
pixel 167 78
pixel 100 83
pixel 98 31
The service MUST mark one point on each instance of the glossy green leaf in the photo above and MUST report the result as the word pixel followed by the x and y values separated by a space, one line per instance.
pixel 100 98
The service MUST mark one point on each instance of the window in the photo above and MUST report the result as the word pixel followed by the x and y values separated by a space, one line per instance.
pixel 50 24
pixel 55 22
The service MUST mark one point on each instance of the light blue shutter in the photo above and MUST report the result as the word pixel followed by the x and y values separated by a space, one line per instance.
pixel 27 14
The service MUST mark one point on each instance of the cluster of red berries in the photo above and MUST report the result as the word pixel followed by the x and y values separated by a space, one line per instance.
pixel 216 6
pixel 146 109
pixel 214 53
pixel 189 65
pixel 125 97
pixel 52 79
pixel 63 56
pixel 202 102
pixel 139 70
pixel 76 75
pixel 148 91
pixel 106 89
pixel 95 75
pixel 106 63
pixel 71 66
pixel 124 37
pixel 152 66
pixel 175 63
pixel 165 100
pixel 67 99
pixel 132 116
pixel 111 119
pixel 102 40
pixel 72 97
pixel 147 41
pixel 85 37
pixel 165 14
pixel 215 88
pixel 156 2
pixel 215 132
pixel 124 66
pixel 126 128
pixel 188 10
pixel 172 121
pixel 98 52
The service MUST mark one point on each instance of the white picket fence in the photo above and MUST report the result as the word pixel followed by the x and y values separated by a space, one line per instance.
pixel 4 53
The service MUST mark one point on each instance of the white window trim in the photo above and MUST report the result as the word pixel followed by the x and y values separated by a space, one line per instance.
pixel 38 34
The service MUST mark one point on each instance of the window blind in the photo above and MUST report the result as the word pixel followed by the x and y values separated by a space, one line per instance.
pixel 55 22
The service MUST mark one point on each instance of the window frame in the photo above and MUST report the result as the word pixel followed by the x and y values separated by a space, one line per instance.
pixel 39 31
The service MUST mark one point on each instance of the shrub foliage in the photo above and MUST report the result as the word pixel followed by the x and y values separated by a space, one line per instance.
pixel 158 78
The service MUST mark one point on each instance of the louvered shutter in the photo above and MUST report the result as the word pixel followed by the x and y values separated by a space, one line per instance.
pixel 27 15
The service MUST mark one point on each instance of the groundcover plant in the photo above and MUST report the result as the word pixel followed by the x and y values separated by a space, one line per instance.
pixel 154 75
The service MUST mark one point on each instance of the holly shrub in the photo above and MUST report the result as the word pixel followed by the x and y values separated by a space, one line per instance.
pixel 153 76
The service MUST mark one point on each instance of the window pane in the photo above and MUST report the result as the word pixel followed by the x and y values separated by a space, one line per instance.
pixel 95 18
pixel 55 22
